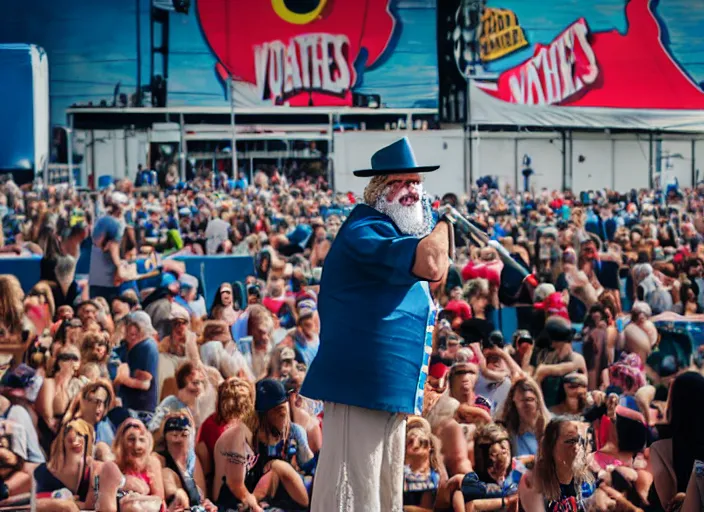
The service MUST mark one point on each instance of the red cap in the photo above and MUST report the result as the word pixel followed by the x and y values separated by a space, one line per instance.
pixel 438 370
pixel 460 308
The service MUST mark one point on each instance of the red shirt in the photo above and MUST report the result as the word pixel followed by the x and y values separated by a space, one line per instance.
pixel 209 433
pixel 273 305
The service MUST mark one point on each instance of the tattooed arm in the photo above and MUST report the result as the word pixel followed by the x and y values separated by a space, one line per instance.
pixel 237 460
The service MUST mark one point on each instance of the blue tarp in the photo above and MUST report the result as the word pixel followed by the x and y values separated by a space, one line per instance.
pixel 211 271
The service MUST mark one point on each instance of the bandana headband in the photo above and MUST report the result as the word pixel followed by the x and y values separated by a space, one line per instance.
pixel 177 424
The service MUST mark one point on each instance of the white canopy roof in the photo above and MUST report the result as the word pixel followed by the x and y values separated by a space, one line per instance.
pixel 487 110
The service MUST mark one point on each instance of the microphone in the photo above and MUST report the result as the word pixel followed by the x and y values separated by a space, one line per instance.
pixel 480 235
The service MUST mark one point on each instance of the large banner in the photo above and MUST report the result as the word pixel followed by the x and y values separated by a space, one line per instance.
pixel 280 52
pixel 297 53
pixel 635 54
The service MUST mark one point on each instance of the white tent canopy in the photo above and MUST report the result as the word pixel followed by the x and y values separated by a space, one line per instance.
pixel 486 110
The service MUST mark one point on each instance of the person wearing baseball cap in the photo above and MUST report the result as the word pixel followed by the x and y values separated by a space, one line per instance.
pixel 559 359
pixel 436 384
pixel 273 443
pixel 282 363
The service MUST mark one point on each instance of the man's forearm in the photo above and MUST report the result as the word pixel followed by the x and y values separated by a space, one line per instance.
pixel 433 253
pixel 133 383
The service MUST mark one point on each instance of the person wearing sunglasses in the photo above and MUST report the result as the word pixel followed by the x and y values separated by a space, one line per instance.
pixel 92 405
pixel 572 395
pixel 561 477
pixel 70 470
pixel 58 390
pixel 184 481
pixel 422 468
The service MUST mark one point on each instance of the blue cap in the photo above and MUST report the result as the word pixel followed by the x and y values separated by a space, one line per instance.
pixel 270 393
pixel 167 279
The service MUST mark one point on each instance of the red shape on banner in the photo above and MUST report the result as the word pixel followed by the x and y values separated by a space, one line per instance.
pixel 309 63
pixel 602 69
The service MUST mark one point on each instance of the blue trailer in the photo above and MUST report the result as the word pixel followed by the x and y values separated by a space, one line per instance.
pixel 24 111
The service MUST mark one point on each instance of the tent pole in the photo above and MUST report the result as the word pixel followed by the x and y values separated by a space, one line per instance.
pixel 468 135
pixel 694 163
pixel 564 161
pixel 650 160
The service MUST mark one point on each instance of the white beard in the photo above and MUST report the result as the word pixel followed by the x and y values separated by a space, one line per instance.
pixel 410 220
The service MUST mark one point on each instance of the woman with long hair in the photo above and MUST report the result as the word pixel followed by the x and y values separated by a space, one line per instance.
pixel 561 471
pixel 57 391
pixel 39 306
pixel 491 486
pixel 71 466
pixel 184 482
pixel 571 395
pixel 133 447
pixel 682 441
pixel 422 471
pixel 95 348
pixel 12 319
pixel 224 306
pixel 251 466
pixel 235 405
pixel 92 405
pixel 524 416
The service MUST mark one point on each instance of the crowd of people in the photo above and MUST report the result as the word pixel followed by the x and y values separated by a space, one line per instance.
pixel 124 389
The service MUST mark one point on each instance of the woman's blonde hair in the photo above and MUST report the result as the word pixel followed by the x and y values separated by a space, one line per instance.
pixel 117 444
pixel 11 303
pixel 419 426
pixel 57 457
pixel 475 288
pixel 235 401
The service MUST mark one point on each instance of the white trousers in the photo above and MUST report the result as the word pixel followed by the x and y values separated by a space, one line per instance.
pixel 361 461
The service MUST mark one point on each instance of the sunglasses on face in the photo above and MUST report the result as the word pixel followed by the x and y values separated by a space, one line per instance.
pixel 96 401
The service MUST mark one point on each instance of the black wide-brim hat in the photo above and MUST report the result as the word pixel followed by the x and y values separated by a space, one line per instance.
pixel 396 158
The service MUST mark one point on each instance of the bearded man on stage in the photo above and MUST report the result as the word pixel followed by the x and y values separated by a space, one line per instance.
pixel 377 319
